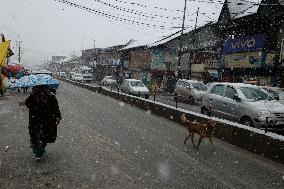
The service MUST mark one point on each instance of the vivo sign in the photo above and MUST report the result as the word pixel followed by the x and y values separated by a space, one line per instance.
pixel 245 44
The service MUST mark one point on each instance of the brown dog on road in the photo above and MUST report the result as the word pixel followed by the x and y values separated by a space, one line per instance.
pixel 204 130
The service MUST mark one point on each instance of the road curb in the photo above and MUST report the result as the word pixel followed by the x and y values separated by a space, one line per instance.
pixel 256 141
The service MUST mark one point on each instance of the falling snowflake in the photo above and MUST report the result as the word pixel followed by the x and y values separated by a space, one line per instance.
pixel 117 144
pixel 163 170
pixel 121 104
pixel 148 112
pixel 93 177
pixel 172 117
pixel 114 170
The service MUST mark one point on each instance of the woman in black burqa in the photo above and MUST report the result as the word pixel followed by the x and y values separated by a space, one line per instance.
pixel 44 116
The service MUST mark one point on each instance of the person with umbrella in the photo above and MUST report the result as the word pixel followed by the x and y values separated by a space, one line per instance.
pixel 44 116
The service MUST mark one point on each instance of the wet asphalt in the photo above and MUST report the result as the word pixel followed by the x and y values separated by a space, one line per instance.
pixel 104 143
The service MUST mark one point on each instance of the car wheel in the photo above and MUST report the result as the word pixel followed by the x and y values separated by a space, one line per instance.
pixel 205 111
pixel 246 121
pixel 191 100
pixel 147 96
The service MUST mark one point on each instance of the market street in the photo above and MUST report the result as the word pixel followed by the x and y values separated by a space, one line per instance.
pixel 104 143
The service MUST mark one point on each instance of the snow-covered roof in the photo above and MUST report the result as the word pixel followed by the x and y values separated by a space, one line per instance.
pixel 67 59
pixel 155 41
pixel 241 8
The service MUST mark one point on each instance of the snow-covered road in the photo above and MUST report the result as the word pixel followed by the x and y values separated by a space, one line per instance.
pixel 104 143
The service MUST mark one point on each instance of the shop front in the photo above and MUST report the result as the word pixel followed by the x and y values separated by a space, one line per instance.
pixel 246 59
pixel 207 70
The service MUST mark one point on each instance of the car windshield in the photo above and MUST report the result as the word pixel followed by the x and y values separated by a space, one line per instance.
pixel 137 84
pixel 199 86
pixel 254 93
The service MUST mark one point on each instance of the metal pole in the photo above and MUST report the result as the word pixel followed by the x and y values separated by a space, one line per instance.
pixel 180 41
pixel 19 55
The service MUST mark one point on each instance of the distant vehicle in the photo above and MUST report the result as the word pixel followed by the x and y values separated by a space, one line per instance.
pixel 62 74
pixel 190 90
pixel 42 71
pixel 86 73
pixel 243 103
pixel 78 77
pixel 108 80
pixel 135 87
pixel 71 75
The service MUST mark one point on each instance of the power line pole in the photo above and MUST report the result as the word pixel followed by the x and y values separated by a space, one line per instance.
pixel 193 53
pixel 180 41
pixel 19 55
pixel 197 14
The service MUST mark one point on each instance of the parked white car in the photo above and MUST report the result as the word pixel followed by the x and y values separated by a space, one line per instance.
pixel 78 77
pixel 62 75
pixel 108 80
pixel 135 87
pixel 243 103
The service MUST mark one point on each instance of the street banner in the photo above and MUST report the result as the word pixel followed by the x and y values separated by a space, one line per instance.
pixel 245 44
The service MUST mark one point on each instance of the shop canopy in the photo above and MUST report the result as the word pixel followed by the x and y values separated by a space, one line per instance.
pixel 5 52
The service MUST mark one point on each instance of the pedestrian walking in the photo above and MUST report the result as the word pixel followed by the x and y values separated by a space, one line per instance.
pixel 44 116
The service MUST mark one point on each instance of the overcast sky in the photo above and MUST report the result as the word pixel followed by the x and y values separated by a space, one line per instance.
pixel 48 27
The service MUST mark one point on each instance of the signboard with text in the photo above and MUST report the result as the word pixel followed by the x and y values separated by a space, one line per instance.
pixel 245 44
pixel 249 60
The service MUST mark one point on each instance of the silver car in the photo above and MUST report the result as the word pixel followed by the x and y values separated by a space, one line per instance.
pixel 135 87
pixel 243 103
pixel 108 80
pixel 190 90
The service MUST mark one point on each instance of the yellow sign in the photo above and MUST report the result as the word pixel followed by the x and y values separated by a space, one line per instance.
pixel 4 49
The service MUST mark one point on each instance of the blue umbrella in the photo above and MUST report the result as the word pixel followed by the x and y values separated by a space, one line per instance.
pixel 35 80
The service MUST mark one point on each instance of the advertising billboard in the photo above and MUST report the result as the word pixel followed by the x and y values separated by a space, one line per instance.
pixel 244 60
pixel 245 44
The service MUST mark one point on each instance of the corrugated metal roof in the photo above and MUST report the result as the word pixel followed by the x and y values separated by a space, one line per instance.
pixel 241 8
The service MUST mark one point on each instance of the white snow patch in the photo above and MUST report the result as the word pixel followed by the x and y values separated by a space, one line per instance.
pixel 121 104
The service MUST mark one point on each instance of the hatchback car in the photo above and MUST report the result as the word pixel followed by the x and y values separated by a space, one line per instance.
pixel 243 103
pixel 190 90
pixel 78 77
pixel 135 87
pixel 108 80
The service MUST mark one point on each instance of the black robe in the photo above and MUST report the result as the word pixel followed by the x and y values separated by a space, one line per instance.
pixel 43 111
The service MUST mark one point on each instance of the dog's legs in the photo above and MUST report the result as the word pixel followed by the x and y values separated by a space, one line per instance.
pixel 184 142
pixel 211 141
pixel 192 136
pixel 199 141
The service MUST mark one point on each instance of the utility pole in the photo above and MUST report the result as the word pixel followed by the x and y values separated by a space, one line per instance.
pixel 19 54
pixel 193 53
pixel 180 41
